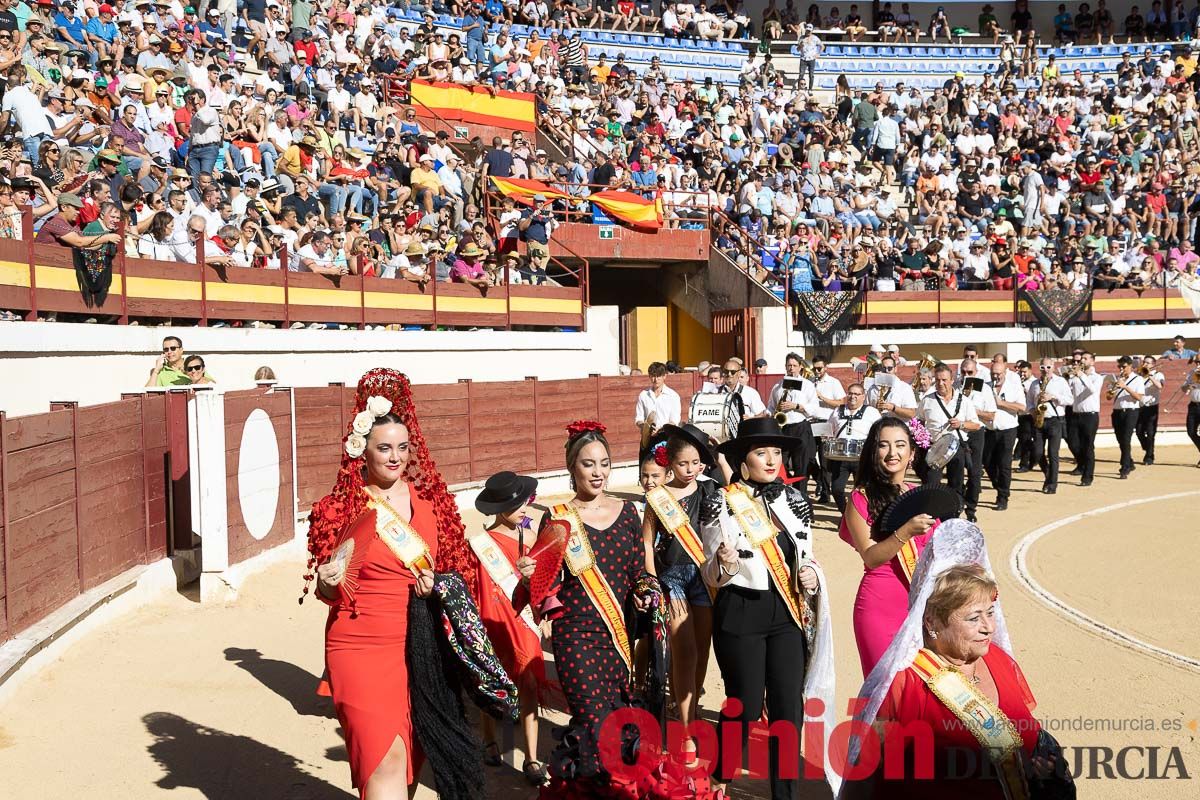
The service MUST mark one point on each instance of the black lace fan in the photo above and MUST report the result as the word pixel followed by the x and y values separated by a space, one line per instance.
pixel 936 501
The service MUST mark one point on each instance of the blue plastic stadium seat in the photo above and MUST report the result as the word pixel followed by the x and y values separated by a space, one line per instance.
pixel 887 51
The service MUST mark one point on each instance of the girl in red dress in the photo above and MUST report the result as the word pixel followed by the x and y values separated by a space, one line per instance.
pixel 516 637
pixel 374 543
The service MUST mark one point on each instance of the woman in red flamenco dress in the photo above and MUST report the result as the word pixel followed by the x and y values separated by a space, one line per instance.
pixel 378 538
pixel 600 582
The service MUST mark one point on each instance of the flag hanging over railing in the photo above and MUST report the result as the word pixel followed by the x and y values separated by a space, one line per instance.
pixel 477 104
pixel 630 208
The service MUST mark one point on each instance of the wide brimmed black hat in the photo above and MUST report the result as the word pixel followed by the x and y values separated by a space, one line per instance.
pixel 756 432
pixel 505 491
pixel 694 436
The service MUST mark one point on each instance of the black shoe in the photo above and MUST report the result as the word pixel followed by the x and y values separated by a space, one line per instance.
pixel 1123 474
pixel 1002 504
pixel 491 755
pixel 535 773
pixel 971 517
pixel 1076 471
pixel 1086 482
pixel 1023 469
pixel 1049 490
pixel 1132 467
pixel 1148 461
pixel 823 498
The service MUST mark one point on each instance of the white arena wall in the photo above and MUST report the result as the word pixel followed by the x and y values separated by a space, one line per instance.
pixel 42 362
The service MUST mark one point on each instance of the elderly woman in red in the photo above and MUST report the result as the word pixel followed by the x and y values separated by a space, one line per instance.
pixel 383 543
pixel 950 683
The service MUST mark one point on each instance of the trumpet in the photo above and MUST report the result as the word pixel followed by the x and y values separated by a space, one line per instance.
pixel 1144 370
pixel 806 370
pixel 1113 388
pixel 926 363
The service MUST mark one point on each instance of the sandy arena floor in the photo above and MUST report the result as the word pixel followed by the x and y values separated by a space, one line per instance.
pixel 187 701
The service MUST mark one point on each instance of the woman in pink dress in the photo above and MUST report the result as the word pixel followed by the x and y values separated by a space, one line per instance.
pixel 889 557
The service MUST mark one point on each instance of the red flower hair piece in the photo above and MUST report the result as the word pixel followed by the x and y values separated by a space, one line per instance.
pixel 332 514
pixel 660 454
pixel 582 426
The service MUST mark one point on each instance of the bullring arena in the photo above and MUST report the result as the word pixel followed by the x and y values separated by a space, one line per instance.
pixel 556 259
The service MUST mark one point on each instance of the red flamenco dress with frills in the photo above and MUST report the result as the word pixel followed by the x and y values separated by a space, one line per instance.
pixel 365 649
pixel 517 646
pixel 596 681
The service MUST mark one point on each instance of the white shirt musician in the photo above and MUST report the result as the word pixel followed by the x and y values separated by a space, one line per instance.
pixel 659 399
pixel 751 401
pixel 900 402
pixel 853 420
pixel 1154 382
pixel 1130 389
pixel 947 409
pixel 1008 396
pixel 798 405
pixel 1087 386
pixel 829 391
pixel 1058 393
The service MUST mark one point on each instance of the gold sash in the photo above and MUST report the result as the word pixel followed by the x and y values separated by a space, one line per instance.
pixel 501 572
pixel 760 531
pixel 983 718
pixel 908 556
pixel 676 521
pixel 582 563
pixel 399 536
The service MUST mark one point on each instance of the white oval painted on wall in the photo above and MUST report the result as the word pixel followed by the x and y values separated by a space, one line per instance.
pixel 258 474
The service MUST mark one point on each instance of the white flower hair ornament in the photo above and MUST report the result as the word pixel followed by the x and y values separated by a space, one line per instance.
pixel 356 441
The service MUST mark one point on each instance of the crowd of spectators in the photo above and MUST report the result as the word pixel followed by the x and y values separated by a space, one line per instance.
pixel 230 132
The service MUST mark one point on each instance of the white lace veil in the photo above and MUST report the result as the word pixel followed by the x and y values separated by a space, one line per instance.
pixel 955 542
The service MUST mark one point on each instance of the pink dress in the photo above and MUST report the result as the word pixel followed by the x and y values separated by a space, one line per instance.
pixel 882 600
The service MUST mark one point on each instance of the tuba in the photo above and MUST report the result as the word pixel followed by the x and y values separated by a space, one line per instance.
pixel 926 363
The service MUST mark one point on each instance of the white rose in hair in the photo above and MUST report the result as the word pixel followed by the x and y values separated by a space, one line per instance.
pixel 379 406
pixel 363 422
pixel 356 445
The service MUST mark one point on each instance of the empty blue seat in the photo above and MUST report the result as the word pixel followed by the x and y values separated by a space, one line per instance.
pixel 887 51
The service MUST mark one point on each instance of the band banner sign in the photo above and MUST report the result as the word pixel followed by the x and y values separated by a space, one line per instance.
pixel 632 209
pixel 476 104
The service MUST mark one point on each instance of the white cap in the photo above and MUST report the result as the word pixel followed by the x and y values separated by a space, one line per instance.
pixel 893 348
pixel 877 348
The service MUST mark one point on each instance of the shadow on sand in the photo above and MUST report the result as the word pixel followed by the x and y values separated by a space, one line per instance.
pixel 296 685
pixel 223 765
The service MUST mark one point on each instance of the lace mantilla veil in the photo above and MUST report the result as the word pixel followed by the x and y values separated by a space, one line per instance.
pixel 955 542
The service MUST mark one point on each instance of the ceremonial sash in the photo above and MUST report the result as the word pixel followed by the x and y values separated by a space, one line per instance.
pixel 759 530
pixel 676 521
pixel 399 536
pixel 501 572
pixel 907 556
pixel 983 718
pixel 582 563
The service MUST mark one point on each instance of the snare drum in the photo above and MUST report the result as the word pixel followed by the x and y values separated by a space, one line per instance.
pixel 842 449
pixel 717 414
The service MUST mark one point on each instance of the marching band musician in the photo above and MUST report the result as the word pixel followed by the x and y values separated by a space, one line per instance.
pixel 831 396
pixel 752 403
pixel 1084 420
pixel 947 410
pixel 1128 391
pixel 1192 387
pixel 798 407
pixel 1025 419
pixel 900 402
pixel 985 408
pixel 1147 424
pixel 1071 429
pixel 1048 438
pixel 658 404
pixel 852 421
pixel 1008 395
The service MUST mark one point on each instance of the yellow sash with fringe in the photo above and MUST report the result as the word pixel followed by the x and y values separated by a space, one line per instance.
pixel 760 531
pixel 677 523
pixel 908 556
pixel 496 564
pixel 983 718
pixel 582 563
pixel 399 536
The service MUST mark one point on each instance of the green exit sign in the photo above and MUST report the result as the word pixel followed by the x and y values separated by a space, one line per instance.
pixel 606 231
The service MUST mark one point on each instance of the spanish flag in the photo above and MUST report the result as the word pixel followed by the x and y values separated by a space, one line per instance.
pixel 452 102
pixel 632 209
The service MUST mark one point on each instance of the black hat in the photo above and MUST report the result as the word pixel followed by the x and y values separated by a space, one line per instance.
pixel 694 436
pixel 505 491
pixel 756 432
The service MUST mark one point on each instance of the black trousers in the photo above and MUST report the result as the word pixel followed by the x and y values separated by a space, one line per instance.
pixel 1025 456
pixel 1124 423
pixel 802 454
pixel 761 653
pixel 839 476
pixel 1070 433
pixel 1147 429
pixel 998 452
pixel 1193 423
pixel 1082 426
pixel 1046 443
pixel 975 440
pixel 954 474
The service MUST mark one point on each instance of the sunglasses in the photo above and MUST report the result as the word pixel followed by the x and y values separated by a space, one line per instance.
pixel 194 368
pixel 170 348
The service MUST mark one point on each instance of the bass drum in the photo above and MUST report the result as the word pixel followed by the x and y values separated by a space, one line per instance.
pixel 717 414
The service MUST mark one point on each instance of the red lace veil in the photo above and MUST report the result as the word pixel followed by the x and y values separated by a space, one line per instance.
pixel 347 501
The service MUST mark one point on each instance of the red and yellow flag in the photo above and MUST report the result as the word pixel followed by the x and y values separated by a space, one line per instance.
pixel 454 102
pixel 630 208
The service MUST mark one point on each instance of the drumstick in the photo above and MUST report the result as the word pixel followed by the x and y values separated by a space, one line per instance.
pixel 521 542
